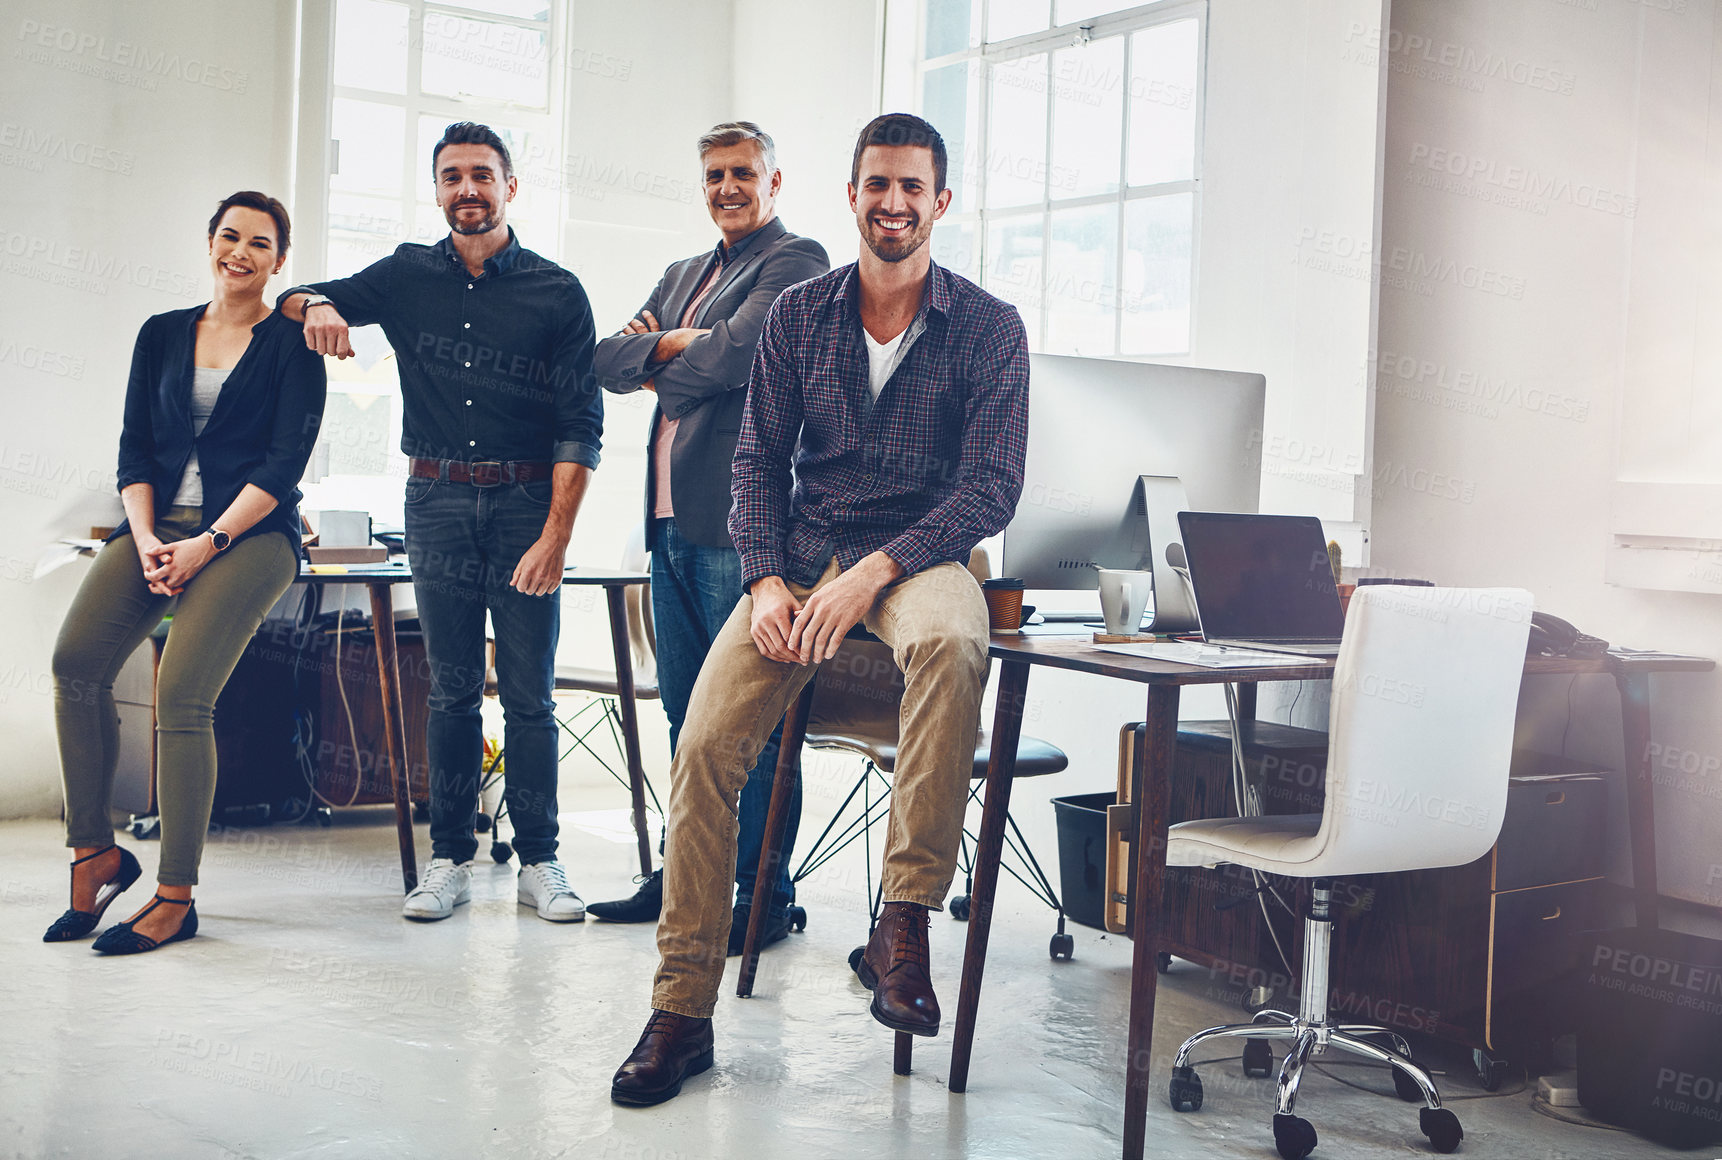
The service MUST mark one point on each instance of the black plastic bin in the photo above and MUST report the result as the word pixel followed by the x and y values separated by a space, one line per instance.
pixel 1082 855
pixel 1649 1014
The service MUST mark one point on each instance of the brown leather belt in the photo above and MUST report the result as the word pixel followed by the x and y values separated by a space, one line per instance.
pixel 484 473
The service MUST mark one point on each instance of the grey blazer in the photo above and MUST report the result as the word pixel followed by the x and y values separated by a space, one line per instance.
pixel 705 387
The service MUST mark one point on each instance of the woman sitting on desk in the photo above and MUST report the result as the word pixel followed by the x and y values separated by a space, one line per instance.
pixel 221 413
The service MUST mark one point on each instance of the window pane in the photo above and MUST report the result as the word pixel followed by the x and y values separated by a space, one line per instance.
pixel 1013 271
pixel 525 9
pixel 478 58
pixel 1087 118
pixel 361 231
pixel 1163 103
pixel 951 100
pixel 368 149
pixel 360 430
pixel 952 25
pixel 1008 18
pixel 1082 281
pixel 1070 11
pixel 955 248
pixel 371 45
pixel 1158 233
pixel 1016 146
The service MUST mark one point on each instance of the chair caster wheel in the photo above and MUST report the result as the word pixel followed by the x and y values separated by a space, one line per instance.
pixel 1063 946
pixel 1406 1086
pixel 1258 1057
pixel 855 959
pixel 1442 1128
pixel 484 822
pixel 959 907
pixel 325 816
pixel 501 851
pixel 797 918
pixel 1294 1136
pixel 1490 1071
pixel 1163 962
pixel 1185 1091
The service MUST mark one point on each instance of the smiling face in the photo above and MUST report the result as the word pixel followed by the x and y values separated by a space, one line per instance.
pixel 243 251
pixel 471 190
pixel 895 206
pixel 739 193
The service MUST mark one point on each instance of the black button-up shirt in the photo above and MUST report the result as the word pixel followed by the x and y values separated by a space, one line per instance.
pixel 496 366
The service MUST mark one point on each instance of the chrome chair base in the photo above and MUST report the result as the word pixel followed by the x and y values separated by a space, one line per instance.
pixel 1309 1034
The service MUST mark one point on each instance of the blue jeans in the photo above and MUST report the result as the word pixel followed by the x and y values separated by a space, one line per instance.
pixel 463 543
pixel 694 590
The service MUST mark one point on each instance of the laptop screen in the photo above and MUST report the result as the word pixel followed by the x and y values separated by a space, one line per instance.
pixel 1261 577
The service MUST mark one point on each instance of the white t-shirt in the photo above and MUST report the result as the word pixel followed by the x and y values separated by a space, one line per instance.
pixel 881 360
pixel 206 384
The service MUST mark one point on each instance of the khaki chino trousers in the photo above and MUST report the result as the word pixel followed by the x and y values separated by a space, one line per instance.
pixel 936 625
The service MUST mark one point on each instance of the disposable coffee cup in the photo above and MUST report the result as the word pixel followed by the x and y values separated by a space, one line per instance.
pixel 1004 602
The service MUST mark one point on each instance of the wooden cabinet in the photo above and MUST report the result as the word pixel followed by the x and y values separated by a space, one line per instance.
pixel 1467 953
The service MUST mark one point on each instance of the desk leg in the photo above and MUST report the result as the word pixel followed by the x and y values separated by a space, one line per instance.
pixel 1246 701
pixel 616 595
pixel 1151 811
pixel 1640 792
pixel 1001 768
pixel 776 822
pixel 394 729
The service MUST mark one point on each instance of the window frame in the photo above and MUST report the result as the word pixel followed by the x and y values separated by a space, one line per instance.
pixel 979 218
pixel 315 165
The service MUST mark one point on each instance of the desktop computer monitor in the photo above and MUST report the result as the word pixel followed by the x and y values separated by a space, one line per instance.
pixel 1095 427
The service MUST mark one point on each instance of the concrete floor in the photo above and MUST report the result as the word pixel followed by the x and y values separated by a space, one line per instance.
pixel 308 1020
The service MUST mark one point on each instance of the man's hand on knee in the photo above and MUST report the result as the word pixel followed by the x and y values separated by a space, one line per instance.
pixel 774 609
pixel 832 611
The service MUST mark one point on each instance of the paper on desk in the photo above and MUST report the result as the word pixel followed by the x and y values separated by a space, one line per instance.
pixel 60 553
pixel 1208 656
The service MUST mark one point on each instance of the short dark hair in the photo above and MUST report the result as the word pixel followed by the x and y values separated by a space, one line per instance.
pixel 251 199
pixel 901 129
pixel 472 133
pixel 734 133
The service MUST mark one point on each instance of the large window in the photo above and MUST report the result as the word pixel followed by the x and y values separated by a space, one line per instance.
pixel 1074 134
pixel 401 70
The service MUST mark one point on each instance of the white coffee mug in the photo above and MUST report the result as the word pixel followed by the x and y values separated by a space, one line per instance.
pixel 1124 598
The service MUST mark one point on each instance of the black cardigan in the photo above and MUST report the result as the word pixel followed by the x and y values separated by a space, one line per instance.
pixel 261 431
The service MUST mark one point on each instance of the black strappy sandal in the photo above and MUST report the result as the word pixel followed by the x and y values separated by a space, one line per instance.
pixel 75 924
pixel 121 939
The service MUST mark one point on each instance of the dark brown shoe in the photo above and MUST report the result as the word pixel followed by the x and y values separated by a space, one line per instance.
pixel 672 1048
pixel 895 968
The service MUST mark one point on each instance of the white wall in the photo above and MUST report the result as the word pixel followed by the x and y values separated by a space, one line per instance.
pixel 809 74
pixel 634 204
pixel 122 127
pixel 1514 395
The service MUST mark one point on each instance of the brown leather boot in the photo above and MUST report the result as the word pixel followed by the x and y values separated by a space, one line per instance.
pixel 672 1048
pixel 895 968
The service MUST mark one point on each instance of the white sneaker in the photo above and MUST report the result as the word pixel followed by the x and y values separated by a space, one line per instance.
pixel 445 885
pixel 544 886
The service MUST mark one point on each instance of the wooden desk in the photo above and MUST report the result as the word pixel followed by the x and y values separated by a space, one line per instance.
pixel 1018 654
pixel 379 580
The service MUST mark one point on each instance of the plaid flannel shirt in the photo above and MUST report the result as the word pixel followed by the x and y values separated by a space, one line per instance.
pixel 924 474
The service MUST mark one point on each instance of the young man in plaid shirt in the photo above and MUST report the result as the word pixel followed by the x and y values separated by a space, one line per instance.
pixel 897 393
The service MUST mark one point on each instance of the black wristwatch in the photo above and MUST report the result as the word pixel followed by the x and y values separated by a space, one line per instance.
pixel 220 538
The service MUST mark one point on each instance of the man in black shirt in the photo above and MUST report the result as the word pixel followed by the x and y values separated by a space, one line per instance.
pixel 502 421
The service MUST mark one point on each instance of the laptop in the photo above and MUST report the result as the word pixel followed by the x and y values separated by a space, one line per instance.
pixel 1263 582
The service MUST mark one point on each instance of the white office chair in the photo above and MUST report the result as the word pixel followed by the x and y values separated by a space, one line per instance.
pixel 1420 736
